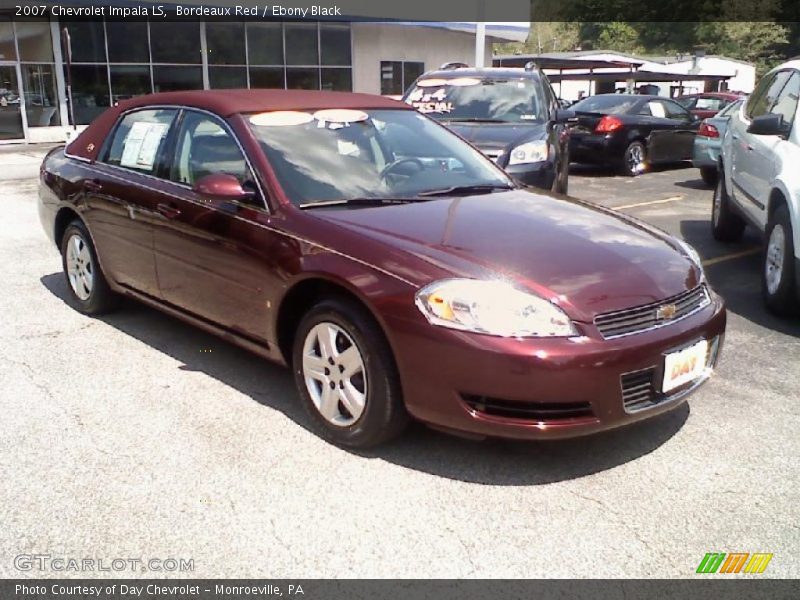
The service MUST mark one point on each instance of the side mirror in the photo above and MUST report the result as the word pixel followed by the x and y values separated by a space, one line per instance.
pixel 564 115
pixel 221 187
pixel 767 125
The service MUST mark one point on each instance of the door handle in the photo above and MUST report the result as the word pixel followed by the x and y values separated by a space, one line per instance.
pixel 92 185
pixel 168 210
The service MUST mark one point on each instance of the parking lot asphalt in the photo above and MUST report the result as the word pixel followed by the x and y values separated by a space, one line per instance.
pixel 136 436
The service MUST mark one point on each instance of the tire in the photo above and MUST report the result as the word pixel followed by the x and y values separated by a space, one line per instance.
pixel 778 269
pixel 87 288
pixel 372 389
pixel 634 159
pixel 726 226
pixel 561 181
pixel 709 175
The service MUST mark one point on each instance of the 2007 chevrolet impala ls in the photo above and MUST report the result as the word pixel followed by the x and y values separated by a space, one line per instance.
pixel 397 270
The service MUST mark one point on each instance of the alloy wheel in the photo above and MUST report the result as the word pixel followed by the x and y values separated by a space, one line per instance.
pixel 773 266
pixel 635 159
pixel 334 374
pixel 80 269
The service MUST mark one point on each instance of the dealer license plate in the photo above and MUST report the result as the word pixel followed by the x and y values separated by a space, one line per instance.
pixel 684 365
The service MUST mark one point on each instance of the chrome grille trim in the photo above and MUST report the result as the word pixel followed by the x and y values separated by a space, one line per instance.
pixel 643 318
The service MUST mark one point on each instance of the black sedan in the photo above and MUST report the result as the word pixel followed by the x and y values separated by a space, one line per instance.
pixel 631 132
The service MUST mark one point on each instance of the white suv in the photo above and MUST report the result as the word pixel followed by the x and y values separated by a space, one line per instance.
pixel 760 162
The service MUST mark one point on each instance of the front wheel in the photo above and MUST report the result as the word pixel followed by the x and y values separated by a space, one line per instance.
pixel 635 159
pixel 778 274
pixel 346 376
pixel 89 291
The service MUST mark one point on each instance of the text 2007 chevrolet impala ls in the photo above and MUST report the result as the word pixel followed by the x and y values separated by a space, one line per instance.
pixel 397 270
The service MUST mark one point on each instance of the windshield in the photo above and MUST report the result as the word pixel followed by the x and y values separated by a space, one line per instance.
pixel 612 104
pixel 470 98
pixel 330 155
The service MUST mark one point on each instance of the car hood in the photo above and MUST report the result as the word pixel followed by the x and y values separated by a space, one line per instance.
pixel 498 135
pixel 588 259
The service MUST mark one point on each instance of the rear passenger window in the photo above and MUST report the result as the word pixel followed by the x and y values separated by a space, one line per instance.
pixel 139 140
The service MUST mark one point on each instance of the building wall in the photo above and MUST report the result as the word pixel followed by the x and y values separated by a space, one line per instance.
pixel 373 43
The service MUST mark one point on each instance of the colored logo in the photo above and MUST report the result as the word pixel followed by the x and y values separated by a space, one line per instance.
pixel 735 562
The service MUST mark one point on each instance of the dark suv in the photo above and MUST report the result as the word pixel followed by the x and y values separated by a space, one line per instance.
pixel 511 115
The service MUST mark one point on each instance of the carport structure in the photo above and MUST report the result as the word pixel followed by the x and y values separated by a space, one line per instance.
pixel 603 74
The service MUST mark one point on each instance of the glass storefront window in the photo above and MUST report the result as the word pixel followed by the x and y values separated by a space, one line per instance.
pixel 337 80
pixel 34 41
pixel 128 81
pixel 335 45
pixel 41 100
pixel 10 114
pixel 266 77
pixel 227 77
pixel 7 48
pixel 127 42
pixel 89 92
pixel 225 43
pixel 265 43
pixel 88 42
pixel 301 44
pixel 171 79
pixel 175 42
pixel 302 79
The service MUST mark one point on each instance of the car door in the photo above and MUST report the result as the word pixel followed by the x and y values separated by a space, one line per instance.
pixel 660 142
pixel 121 200
pixel 212 253
pixel 683 127
pixel 754 155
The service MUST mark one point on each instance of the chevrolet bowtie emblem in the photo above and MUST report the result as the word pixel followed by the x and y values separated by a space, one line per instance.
pixel 666 312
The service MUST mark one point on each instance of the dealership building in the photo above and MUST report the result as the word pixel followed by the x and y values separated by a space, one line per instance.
pixel 114 59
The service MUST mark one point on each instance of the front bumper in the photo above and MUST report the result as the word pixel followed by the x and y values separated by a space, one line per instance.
pixel 540 175
pixel 546 388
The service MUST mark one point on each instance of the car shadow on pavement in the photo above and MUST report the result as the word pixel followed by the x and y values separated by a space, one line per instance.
pixel 738 280
pixel 590 170
pixel 488 462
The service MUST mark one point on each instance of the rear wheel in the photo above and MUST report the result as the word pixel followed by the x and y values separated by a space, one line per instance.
pixel 709 175
pixel 346 376
pixel 778 274
pixel 635 159
pixel 88 289
pixel 726 226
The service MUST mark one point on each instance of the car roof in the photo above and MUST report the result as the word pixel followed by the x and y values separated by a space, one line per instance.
pixel 482 73
pixel 229 102
pixel 225 103
pixel 725 95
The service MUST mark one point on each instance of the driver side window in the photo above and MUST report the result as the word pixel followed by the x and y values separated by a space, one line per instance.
pixel 204 147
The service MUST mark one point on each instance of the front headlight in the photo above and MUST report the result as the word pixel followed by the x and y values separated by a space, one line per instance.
pixel 493 308
pixel 531 152
pixel 693 256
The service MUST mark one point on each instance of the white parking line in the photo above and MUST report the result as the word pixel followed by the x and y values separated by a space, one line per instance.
pixel 732 256
pixel 649 202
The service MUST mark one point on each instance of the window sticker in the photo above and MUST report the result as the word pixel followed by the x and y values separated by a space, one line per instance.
pixel 281 118
pixel 433 101
pixel 141 145
pixel 658 110
pixel 336 118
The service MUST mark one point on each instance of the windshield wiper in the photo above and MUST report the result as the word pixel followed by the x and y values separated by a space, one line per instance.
pixel 367 201
pixel 467 189
pixel 476 120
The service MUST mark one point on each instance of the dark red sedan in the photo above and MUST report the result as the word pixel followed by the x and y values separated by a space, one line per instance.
pixel 707 104
pixel 395 268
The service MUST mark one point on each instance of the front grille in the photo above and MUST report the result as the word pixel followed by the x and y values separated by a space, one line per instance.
pixel 641 391
pixel 492 153
pixel 529 411
pixel 646 317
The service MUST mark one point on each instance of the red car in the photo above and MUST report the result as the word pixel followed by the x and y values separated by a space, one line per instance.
pixel 398 271
pixel 707 104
